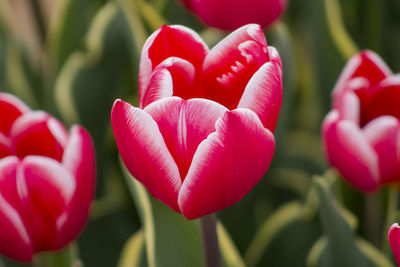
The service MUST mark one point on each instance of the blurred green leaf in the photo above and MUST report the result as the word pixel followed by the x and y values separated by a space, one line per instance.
pixel 132 253
pixel 163 227
pixel 67 29
pixel 67 257
pixel 171 240
pixel 339 246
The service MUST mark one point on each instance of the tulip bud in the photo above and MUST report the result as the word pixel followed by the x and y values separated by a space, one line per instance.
pixel 47 180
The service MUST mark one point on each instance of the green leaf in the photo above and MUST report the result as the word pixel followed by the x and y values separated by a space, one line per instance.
pixel 287 231
pixel 66 257
pixel 71 20
pixel 100 72
pixel 340 246
pixel 171 240
pixel 133 251
pixel 163 227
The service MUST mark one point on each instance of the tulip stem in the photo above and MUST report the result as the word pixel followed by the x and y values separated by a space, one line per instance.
pixel 391 217
pixel 212 255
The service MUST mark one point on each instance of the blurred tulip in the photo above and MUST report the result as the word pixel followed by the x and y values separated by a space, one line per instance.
pixel 202 137
pixel 394 241
pixel 47 180
pixel 362 132
pixel 231 14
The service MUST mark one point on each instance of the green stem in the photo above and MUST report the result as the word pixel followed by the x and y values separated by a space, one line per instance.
pixel 391 216
pixel 373 218
pixel 212 255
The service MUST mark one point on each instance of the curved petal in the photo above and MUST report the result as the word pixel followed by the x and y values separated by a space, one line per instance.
pixel 145 153
pixel 79 160
pixel 11 108
pixel 8 182
pixel 394 241
pixel 15 242
pixel 348 106
pixel 227 164
pixel 383 134
pixel 184 125
pixel 5 146
pixel 263 94
pixel 365 64
pixel 348 150
pixel 231 14
pixel 45 189
pixel 174 76
pixel 232 62
pixel 170 41
pixel 37 133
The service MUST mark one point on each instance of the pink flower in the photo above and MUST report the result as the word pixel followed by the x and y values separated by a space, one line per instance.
pixel 231 14
pixel 203 135
pixel 362 132
pixel 47 180
pixel 394 241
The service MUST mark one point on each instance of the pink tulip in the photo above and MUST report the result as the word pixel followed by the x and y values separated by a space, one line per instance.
pixel 202 137
pixel 394 241
pixel 231 14
pixel 362 132
pixel 47 180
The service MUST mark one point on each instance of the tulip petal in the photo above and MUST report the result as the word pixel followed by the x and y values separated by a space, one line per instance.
pixel 227 164
pixel 348 106
pixel 8 182
pixel 348 150
pixel 79 160
pixel 13 107
pixel 394 241
pixel 174 76
pixel 263 94
pixel 15 241
pixel 170 41
pixel 383 134
pixel 40 179
pixel 37 133
pixel 232 62
pixel 366 64
pixel 5 146
pixel 145 153
pixel 184 125
pixel 386 99
pixel 231 14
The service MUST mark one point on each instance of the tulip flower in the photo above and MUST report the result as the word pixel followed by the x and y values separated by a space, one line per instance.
pixel 231 14
pixel 46 180
pixel 394 241
pixel 203 135
pixel 362 132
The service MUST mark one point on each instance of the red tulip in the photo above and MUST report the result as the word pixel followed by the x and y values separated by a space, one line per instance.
pixel 46 180
pixel 394 241
pixel 231 14
pixel 202 137
pixel 362 131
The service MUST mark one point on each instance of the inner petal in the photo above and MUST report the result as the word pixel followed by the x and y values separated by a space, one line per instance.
pixel 385 100
pixel 36 133
pixel 230 64
pixel 184 124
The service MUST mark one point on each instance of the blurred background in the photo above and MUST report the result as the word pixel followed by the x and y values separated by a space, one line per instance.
pixel 74 58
